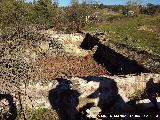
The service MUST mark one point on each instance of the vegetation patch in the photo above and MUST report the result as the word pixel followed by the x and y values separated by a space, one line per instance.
pixel 39 114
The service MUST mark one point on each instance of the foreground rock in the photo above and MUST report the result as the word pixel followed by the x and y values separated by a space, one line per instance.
pixel 110 94
pixel 69 42
pixel 75 97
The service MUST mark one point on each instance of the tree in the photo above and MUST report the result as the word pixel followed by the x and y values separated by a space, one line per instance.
pixel 150 9
pixel 15 13
pixel 74 2
pixel 134 5
pixel 45 12
pixel 134 2
pixel 76 15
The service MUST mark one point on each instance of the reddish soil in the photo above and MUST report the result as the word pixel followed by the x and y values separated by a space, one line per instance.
pixel 65 65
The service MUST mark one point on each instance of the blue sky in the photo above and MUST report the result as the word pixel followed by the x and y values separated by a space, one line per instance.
pixel 108 2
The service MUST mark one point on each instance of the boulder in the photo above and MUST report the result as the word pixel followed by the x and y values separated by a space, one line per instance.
pixel 110 94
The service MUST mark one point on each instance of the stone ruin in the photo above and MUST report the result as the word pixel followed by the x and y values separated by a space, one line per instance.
pixel 45 69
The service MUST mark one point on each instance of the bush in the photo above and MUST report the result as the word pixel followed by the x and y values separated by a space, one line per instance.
pixel 43 114
pixel 150 9
pixel 44 13
pixel 19 14
pixel 13 13
pixel 75 15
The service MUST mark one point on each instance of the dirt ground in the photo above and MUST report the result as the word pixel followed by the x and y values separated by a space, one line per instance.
pixel 67 65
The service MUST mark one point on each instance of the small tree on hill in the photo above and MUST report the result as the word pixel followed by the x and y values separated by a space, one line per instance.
pixel 134 5
pixel 76 14
pixel 45 12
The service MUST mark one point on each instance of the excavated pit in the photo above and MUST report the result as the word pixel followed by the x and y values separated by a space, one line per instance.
pixel 67 65
pixel 115 63
pixel 72 61
pixel 102 61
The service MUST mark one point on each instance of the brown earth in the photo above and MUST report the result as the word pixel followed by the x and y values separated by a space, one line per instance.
pixel 67 65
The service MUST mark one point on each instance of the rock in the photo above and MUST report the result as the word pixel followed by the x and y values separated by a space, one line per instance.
pixel 33 56
pixel 44 46
pixel 8 109
pixel 73 96
pixel 107 93
pixel 4 106
pixel 93 112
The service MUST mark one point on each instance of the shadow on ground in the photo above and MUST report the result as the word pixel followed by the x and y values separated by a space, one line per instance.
pixel 152 91
pixel 11 114
pixel 114 62
pixel 65 100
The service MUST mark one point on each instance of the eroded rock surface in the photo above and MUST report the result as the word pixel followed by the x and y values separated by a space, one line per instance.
pixel 74 97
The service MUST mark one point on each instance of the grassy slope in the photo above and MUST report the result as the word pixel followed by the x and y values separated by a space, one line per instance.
pixel 125 30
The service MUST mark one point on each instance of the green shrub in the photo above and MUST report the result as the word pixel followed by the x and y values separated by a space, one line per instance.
pixel 43 114
pixel 76 15
pixel 44 13
pixel 15 13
